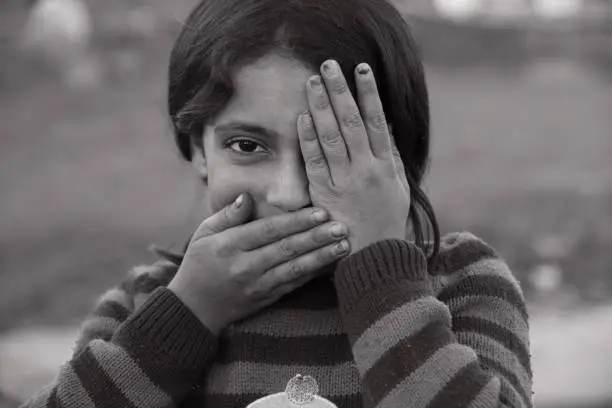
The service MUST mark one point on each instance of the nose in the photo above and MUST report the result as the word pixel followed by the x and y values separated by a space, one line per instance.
pixel 288 190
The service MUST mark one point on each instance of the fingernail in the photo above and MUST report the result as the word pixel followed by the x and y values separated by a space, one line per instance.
pixel 363 68
pixel 319 215
pixel 315 82
pixel 239 201
pixel 331 68
pixel 337 230
pixel 342 246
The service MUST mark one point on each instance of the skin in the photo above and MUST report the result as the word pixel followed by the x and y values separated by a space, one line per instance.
pixel 350 163
pixel 271 93
pixel 269 242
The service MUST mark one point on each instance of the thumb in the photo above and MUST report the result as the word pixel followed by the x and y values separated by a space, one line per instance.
pixel 231 215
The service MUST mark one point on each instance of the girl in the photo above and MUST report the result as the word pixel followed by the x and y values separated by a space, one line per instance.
pixel 308 123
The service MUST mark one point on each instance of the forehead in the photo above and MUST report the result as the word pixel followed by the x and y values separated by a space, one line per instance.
pixel 269 91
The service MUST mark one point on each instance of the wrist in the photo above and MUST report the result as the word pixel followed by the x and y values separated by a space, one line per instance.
pixel 200 311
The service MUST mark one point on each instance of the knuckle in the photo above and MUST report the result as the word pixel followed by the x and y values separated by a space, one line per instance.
pixel 338 87
pixel 295 269
pixel 270 229
pixel 352 121
pixel 322 102
pixel 286 248
pixel 221 247
pixel 236 271
pixel 240 270
pixel 378 121
pixel 317 162
pixel 332 138
pixel 257 291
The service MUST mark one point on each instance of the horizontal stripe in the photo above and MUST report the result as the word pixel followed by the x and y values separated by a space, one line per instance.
pixel 282 323
pixel 507 376
pixel 100 387
pixel 510 397
pixel 262 378
pixel 488 396
pixel 319 350
pixel 422 385
pixel 167 343
pixel 99 328
pixel 128 376
pixel 243 400
pixel 481 331
pixel 376 303
pixel 462 389
pixel 396 325
pixel 484 267
pixel 492 309
pixel 113 310
pixel 486 286
pixel 70 390
pixel 403 359
pixel 462 253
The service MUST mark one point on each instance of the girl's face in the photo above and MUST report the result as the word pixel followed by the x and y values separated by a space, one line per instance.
pixel 253 145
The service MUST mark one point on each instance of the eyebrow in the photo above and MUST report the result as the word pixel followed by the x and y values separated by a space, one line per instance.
pixel 248 128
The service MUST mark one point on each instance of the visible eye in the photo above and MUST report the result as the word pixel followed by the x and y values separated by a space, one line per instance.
pixel 245 146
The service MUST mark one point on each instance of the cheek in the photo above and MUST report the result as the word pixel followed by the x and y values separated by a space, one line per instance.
pixel 225 185
pixel 224 182
pixel 223 190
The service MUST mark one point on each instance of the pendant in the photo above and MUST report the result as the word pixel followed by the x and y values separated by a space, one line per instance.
pixel 301 391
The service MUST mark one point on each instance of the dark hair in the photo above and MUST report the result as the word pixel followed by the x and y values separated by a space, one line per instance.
pixel 220 36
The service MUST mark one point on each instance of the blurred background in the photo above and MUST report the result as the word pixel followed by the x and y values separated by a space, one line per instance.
pixel 521 97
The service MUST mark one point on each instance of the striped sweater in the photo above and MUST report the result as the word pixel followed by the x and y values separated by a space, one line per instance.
pixel 381 331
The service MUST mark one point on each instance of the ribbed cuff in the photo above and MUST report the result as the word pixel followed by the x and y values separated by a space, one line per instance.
pixel 166 324
pixel 380 264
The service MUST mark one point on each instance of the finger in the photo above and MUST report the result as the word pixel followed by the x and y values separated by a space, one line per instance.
pixel 290 275
pixel 265 231
pixel 230 216
pixel 345 109
pixel 293 246
pixel 373 113
pixel 326 126
pixel 399 164
pixel 317 169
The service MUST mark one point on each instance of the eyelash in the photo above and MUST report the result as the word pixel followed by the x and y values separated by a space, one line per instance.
pixel 235 140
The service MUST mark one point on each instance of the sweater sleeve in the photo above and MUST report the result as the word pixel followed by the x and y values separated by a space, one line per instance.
pixel 414 350
pixel 131 355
